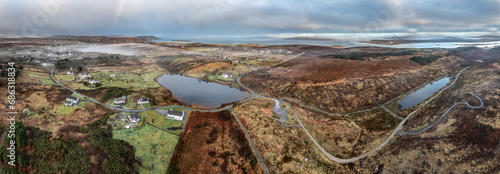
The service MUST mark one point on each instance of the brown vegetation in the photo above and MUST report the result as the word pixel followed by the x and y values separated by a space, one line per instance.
pixel 341 86
pixel 213 143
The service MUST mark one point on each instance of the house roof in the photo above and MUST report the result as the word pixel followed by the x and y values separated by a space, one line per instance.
pixel 144 99
pixel 135 116
pixel 176 113
pixel 119 100
pixel 72 98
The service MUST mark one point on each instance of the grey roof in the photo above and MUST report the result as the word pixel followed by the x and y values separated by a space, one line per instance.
pixel 144 99
pixel 176 113
pixel 72 98
pixel 135 115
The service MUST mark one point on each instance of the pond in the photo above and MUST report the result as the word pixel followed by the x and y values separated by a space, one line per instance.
pixel 420 95
pixel 193 91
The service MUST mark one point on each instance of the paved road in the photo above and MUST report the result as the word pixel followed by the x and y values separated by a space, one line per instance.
pixel 392 113
pixel 399 127
pixel 250 141
pixel 328 155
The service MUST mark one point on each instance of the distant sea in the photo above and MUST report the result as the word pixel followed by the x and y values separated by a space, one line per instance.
pixel 274 41
pixel 435 41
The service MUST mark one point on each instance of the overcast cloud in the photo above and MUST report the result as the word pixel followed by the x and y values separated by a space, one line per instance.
pixel 243 17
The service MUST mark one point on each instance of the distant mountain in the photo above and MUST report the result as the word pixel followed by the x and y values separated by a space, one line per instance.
pixel 149 37
pixel 309 38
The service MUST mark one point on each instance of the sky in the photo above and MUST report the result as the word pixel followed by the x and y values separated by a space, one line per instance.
pixel 219 18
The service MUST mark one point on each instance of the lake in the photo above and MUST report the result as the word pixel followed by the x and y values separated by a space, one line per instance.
pixel 193 91
pixel 420 95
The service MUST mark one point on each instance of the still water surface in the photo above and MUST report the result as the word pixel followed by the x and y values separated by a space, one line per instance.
pixel 420 95
pixel 195 91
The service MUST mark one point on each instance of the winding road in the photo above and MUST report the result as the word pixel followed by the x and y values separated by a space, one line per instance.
pixel 284 117
pixel 395 132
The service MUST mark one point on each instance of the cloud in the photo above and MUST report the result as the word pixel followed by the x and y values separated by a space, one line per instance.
pixel 246 17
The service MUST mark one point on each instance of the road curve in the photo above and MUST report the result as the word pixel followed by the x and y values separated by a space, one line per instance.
pixel 399 127
pixel 441 117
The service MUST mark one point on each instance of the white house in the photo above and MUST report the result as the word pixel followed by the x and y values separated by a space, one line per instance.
pixel 84 76
pixel 143 101
pixel 71 101
pixel 69 73
pixel 227 75
pixel 121 100
pixel 93 81
pixel 112 75
pixel 176 115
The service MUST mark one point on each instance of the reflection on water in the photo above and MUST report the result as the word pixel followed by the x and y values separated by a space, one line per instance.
pixel 195 91
pixel 420 95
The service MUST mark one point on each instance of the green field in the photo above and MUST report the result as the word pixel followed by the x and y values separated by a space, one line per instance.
pixel 65 77
pixel 220 79
pixel 67 110
pixel 128 80
pixel 160 121
pixel 41 77
pixel 153 146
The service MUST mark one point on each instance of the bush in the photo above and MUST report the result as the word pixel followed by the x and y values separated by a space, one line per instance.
pixel 425 60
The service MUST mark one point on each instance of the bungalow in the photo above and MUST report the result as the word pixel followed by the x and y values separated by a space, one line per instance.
pixel 120 100
pixel 134 118
pixel 112 75
pixel 70 101
pixel 84 76
pixel 69 73
pixel 93 81
pixel 227 75
pixel 143 101
pixel 176 115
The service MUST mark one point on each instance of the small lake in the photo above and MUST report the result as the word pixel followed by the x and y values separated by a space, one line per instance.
pixel 193 91
pixel 420 95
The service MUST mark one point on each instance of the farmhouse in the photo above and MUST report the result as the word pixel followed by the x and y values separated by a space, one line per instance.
pixel 84 76
pixel 143 101
pixel 227 75
pixel 176 115
pixel 120 100
pixel 93 81
pixel 71 101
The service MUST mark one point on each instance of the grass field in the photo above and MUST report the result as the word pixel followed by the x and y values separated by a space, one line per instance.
pixel 153 146
pixel 65 77
pixel 35 77
pixel 63 109
pixel 160 121
pixel 128 80
pixel 220 79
